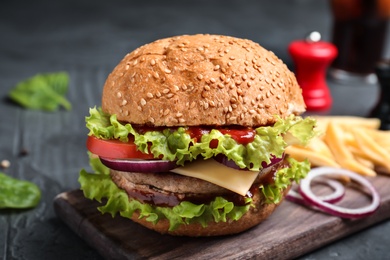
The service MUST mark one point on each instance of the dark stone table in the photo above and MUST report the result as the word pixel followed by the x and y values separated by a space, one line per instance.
pixel 87 39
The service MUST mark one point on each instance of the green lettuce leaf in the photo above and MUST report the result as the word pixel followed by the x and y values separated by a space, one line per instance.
pixel 98 185
pixel 42 92
pixel 177 145
pixel 18 194
pixel 284 178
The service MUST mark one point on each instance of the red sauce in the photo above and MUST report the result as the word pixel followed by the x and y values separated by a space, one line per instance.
pixel 240 135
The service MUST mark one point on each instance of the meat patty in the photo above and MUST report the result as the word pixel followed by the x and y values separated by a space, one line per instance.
pixel 169 189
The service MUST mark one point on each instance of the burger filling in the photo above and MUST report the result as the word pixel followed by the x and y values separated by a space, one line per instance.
pixel 183 199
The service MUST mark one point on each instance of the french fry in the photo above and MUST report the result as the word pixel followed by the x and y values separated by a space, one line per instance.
pixel 344 157
pixel 370 123
pixel 371 149
pixel 316 159
pixel 350 142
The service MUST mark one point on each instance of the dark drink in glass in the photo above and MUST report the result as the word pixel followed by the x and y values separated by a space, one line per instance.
pixel 359 33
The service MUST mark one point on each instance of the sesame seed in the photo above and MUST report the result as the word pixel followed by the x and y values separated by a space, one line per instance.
pixel 207 87
pixel 126 113
pixel 152 62
pixel 232 58
pixel 135 62
pixel 252 111
pixel 200 76
pixel 217 67
pixel 155 74
pixel 151 120
pixel 127 67
pixel 278 96
pixel 166 112
pixel 124 102
pixel 229 64
pixel 168 71
pixel 212 80
pixel 149 95
pixel 119 95
pixel 139 108
pixel 220 85
pixel 267 94
pixel 244 77
pixel 143 102
pixel 184 87
pixel 192 104
pixel 170 95
pixel 158 94
pixel 178 114
pixel 233 118
pixel 176 88
pixel 233 100
pixel 166 91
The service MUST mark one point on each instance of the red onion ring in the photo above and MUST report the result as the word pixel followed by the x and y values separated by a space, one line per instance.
pixel 309 196
pixel 128 165
pixel 335 196
pixel 221 158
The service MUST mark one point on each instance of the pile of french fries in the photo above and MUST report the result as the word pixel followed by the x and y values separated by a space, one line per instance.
pixel 353 143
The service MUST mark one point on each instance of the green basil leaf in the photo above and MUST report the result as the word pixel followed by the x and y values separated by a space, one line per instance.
pixel 18 194
pixel 42 92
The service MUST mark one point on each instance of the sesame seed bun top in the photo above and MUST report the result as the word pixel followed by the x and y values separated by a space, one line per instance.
pixel 201 80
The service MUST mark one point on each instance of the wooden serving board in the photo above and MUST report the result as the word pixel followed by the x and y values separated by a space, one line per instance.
pixel 292 230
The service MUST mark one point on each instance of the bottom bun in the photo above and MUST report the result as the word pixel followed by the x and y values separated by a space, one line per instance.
pixel 253 217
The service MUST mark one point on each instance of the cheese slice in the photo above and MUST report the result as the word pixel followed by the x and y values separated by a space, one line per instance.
pixel 212 171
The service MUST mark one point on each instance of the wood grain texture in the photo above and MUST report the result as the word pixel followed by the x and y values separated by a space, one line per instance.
pixel 291 231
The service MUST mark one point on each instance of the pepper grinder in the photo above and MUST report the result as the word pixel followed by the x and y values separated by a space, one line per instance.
pixel 312 57
pixel 382 108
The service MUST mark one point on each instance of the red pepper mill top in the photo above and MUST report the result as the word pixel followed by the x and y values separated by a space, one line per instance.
pixel 312 58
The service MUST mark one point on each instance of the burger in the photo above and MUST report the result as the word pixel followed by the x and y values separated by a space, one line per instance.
pixel 191 134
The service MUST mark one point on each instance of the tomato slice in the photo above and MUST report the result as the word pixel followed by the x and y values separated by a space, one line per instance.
pixel 115 149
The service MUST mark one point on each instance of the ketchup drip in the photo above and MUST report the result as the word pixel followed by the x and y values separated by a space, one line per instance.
pixel 240 135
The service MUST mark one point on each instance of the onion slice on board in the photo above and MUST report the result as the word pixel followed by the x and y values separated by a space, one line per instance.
pixel 308 195
pixel 335 196
pixel 128 165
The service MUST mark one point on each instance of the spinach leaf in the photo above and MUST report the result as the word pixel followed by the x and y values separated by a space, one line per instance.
pixel 42 92
pixel 18 194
